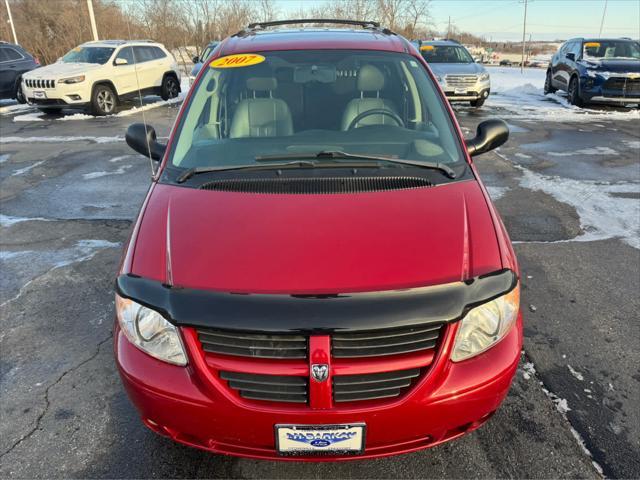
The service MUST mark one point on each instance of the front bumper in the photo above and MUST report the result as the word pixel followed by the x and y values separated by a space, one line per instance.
pixel 60 96
pixel 614 90
pixel 191 406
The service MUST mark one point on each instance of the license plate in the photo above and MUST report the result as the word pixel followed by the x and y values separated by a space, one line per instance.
pixel 460 91
pixel 320 439
pixel 39 94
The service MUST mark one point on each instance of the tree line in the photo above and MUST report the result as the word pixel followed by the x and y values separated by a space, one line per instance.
pixel 50 28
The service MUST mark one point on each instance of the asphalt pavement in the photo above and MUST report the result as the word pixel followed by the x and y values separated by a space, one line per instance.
pixel 568 192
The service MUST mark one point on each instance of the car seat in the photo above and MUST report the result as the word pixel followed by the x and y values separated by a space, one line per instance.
pixel 370 79
pixel 261 116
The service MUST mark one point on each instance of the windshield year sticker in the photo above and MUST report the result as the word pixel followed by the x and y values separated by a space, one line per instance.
pixel 237 61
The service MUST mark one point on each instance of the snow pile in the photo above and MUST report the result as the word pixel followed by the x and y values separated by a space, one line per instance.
pixel 29 117
pixel 523 95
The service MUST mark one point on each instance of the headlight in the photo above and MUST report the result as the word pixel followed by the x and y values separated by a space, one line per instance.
pixel 78 79
pixel 486 325
pixel 595 73
pixel 150 331
pixel 484 77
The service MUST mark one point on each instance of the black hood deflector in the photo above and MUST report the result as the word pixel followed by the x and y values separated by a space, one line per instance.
pixel 316 313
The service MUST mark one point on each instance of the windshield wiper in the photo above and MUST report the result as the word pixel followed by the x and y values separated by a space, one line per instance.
pixel 335 155
pixel 187 174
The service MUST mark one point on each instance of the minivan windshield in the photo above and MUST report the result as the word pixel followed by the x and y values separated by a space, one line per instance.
pixel 445 54
pixel 605 49
pixel 100 55
pixel 288 103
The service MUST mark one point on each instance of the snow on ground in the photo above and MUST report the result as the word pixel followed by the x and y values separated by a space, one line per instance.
pixel 606 210
pixel 29 117
pixel 522 94
pixel 11 106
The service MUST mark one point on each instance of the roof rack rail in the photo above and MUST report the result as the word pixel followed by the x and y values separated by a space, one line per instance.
pixel 253 27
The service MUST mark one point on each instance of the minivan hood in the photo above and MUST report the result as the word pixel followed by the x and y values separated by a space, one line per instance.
pixel 442 69
pixel 315 244
pixel 60 70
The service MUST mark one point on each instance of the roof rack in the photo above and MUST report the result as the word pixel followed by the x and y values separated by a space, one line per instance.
pixel 253 27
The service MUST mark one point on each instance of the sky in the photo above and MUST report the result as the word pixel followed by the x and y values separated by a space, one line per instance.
pixel 502 20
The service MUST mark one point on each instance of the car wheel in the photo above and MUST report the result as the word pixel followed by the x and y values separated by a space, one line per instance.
pixel 170 87
pixel 548 86
pixel 103 100
pixel 19 94
pixel 477 103
pixel 574 93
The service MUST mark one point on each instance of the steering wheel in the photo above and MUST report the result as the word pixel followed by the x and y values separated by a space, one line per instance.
pixel 376 111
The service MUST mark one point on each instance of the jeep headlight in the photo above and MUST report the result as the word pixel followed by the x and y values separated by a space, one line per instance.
pixel 486 325
pixel 150 331
pixel 484 77
pixel 78 79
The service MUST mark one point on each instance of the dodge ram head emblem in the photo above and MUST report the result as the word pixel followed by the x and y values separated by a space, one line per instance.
pixel 320 372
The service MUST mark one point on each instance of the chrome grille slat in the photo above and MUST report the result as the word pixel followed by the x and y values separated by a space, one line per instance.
pixel 383 342
pixel 384 333
pixel 375 377
pixel 461 81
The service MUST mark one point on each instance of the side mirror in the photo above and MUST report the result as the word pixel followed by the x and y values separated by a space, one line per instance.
pixel 571 56
pixel 121 61
pixel 489 135
pixel 196 59
pixel 142 138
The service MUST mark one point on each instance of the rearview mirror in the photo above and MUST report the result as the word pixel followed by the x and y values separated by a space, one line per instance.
pixel 196 59
pixel 121 61
pixel 489 135
pixel 571 56
pixel 142 138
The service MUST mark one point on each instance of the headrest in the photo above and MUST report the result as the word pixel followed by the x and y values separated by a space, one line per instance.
pixel 370 79
pixel 262 84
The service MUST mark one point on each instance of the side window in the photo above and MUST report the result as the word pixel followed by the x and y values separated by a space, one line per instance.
pixel 143 54
pixel 564 48
pixel 3 55
pixel 127 54
pixel 12 54
pixel 576 48
pixel 158 53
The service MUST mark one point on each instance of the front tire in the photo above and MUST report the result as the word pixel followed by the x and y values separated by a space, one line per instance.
pixel 574 93
pixel 19 94
pixel 477 103
pixel 169 88
pixel 103 100
pixel 548 85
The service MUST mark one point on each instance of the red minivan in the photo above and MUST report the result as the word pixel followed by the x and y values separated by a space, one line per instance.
pixel 317 271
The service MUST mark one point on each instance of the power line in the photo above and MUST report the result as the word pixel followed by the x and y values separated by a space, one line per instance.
pixel 524 38
pixel 602 21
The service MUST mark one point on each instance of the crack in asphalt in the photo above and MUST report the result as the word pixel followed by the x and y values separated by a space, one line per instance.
pixel 581 440
pixel 36 427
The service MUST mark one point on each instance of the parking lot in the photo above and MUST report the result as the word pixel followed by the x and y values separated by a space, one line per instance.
pixel 567 185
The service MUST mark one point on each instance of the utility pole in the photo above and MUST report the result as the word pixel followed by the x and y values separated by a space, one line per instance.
pixel 602 21
pixel 449 28
pixel 13 29
pixel 524 33
pixel 94 29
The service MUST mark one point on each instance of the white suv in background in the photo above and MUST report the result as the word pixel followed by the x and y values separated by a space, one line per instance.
pixel 100 74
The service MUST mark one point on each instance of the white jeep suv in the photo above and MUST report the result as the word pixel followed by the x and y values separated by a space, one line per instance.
pixel 100 74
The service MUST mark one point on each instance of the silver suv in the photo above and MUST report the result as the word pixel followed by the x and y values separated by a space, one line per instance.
pixel 461 78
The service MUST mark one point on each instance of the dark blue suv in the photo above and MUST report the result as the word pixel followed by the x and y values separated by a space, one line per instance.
pixel 596 70
pixel 14 61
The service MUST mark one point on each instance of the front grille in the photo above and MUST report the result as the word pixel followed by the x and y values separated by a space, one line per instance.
pixel 274 388
pixel 40 83
pixel 316 185
pixel 253 344
pixel 461 81
pixel 626 86
pixel 385 342
pixel 374 386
